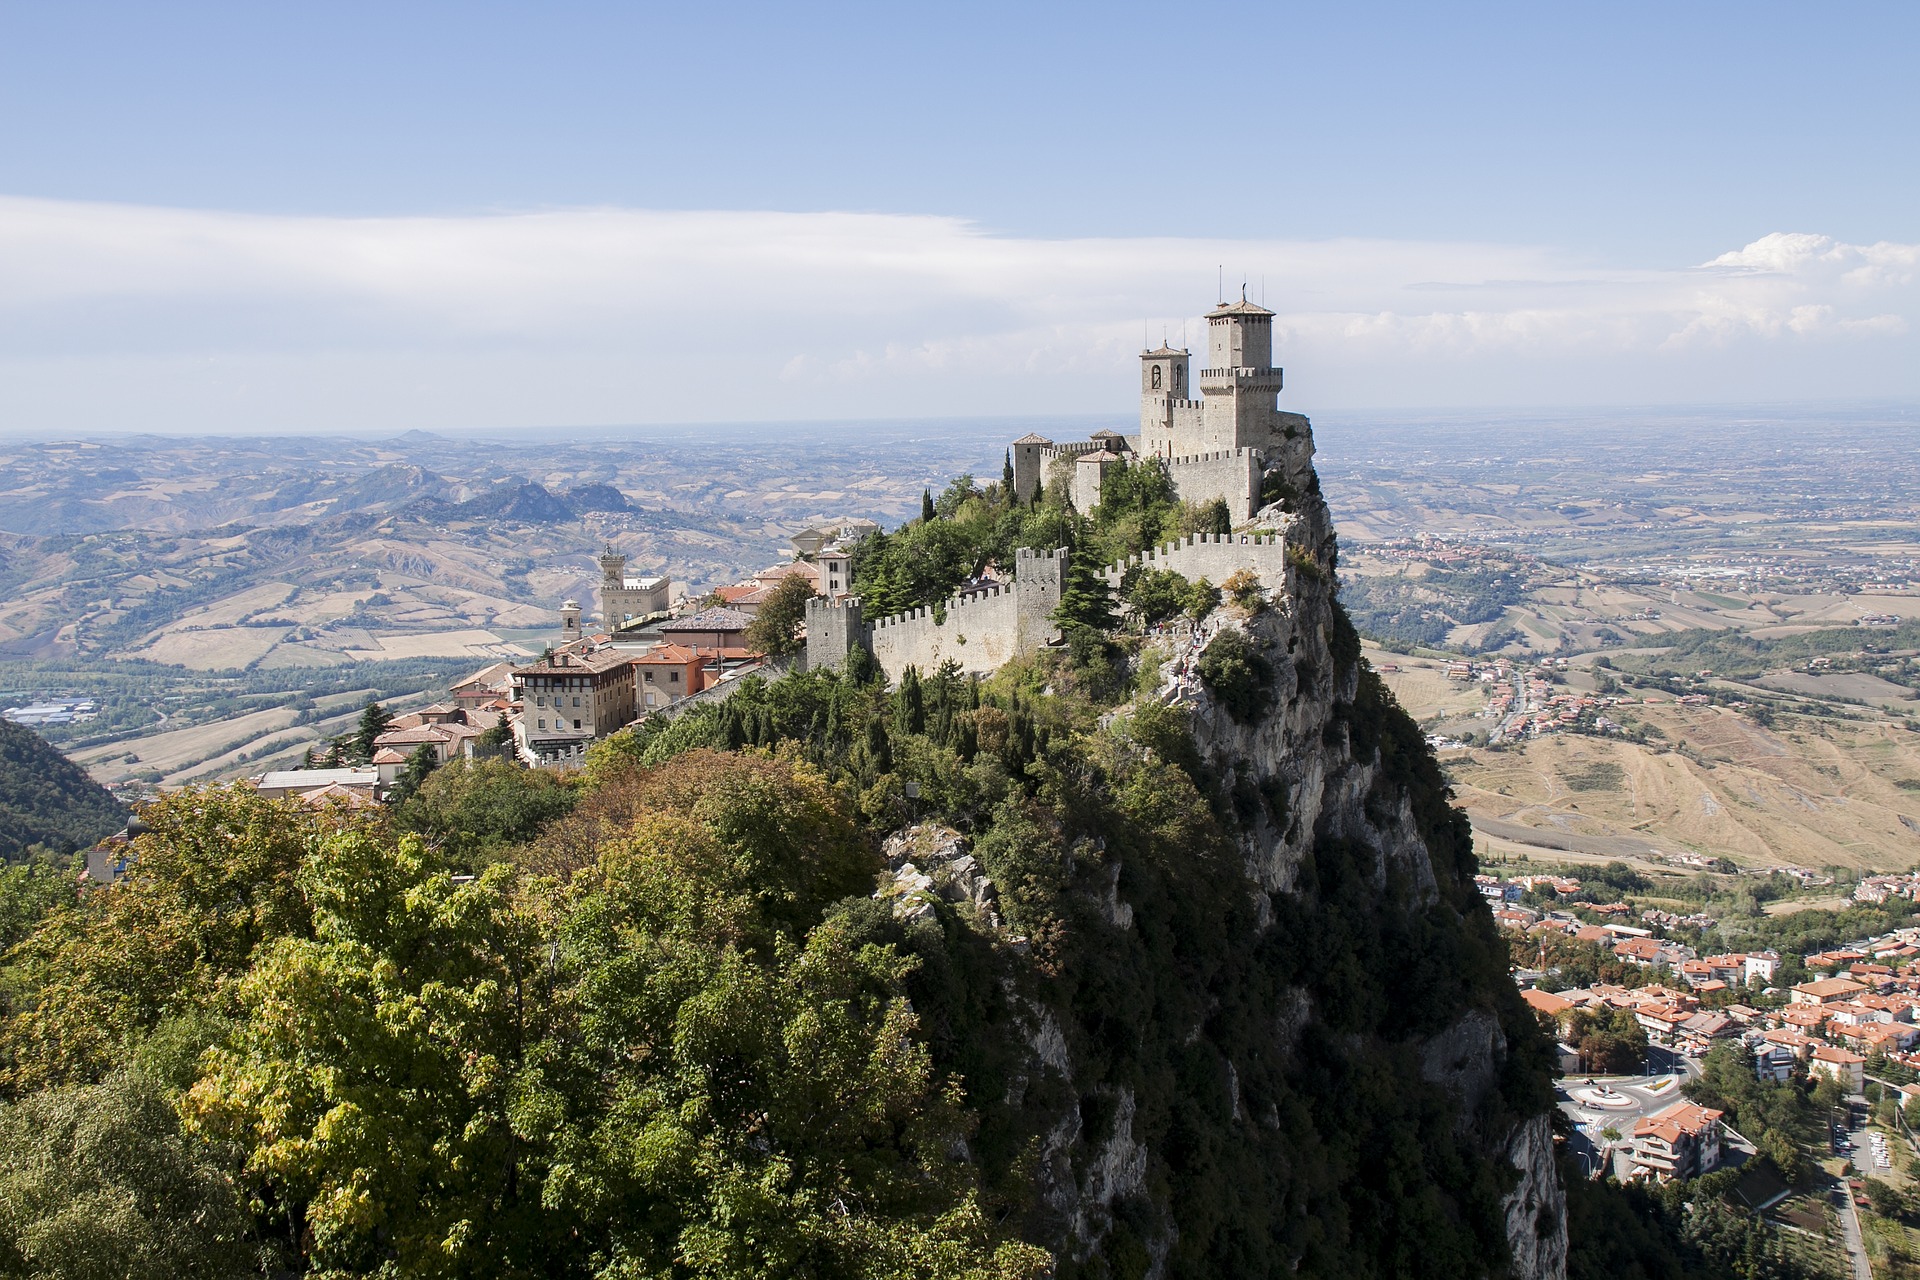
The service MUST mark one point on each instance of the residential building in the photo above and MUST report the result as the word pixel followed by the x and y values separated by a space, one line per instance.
pixel 1825 991
pixel 1546 1002
pixel 568 699
pixel 1844 1065
pixel 667 674
pixel 1773 1062
pixel 717 628
pixel 445 728
pixel 281 783
pixel 1681 1142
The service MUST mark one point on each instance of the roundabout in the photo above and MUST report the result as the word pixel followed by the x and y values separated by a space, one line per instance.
pixel 1605 1098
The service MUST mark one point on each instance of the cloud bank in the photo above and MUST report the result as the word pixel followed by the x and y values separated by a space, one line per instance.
pixel 131 318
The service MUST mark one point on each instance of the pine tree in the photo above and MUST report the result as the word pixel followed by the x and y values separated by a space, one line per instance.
pixel 1086 601
pixel 374 720
pixel 909 705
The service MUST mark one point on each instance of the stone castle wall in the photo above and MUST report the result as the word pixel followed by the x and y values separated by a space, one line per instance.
pixel 1217 557
pixel 1232 474
pixel 981 632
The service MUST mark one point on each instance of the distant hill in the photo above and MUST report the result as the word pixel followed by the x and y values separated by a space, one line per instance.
pixel 47 799
pixel 597 497
pixel 530 503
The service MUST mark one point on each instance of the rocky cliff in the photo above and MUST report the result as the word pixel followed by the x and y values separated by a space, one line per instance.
pixel 1298 1052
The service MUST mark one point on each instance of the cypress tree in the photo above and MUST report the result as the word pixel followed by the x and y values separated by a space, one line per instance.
pixel 926 506
pixel 879 746
pixel 909 706
pixel 1006 476
pixel 1085 598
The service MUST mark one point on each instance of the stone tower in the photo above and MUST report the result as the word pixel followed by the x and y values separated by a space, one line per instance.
pixel 1166 392
pixel 613 569
pixel 569 621
pixel 834 627
pixel 1241 385
pixel 1028 463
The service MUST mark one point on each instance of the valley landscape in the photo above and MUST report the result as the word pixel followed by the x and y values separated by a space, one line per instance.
pixel 968 643
pixel 230 605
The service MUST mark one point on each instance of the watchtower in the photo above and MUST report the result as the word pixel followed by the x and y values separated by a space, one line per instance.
pixel 1241 385
pixel 613 569
pixel 569 622
pixel 1028 459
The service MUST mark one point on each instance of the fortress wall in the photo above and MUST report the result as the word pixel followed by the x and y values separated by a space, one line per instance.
pixel 1232 474
pixel 1216 557
pixel 980 632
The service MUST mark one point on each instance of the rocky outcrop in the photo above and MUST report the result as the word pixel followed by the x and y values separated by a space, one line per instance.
pixel 1309 774
pixel 928 864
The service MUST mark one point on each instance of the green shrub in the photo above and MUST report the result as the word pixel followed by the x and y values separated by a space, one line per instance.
pixel 1238 675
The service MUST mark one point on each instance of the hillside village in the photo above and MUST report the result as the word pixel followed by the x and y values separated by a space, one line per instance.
pixel 1231 460
pixel 1843 1014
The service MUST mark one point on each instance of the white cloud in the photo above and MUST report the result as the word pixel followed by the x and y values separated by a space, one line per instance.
pixel 136 318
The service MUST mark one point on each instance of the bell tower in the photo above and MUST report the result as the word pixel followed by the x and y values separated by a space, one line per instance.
pixel 613 569
pixel 1164 381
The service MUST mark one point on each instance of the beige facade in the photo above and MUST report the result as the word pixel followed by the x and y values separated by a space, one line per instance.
pixel 1681 1142
pixel 569 699
pixel 624 600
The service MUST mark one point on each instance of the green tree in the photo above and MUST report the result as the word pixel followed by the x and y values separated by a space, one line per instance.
pixel 1155 594
pixel 1202 599
pixel 374 720
pixel 100 1182
pixel 775 629
pixel 377 1080
pixel 926 506
pixel 1006 476
pixel 29 891
pixel 499 733
pixel 215 883
pixel 909 705
pixel 469 807
pixel 1086 601
pixel 1238 674
pixel 422 762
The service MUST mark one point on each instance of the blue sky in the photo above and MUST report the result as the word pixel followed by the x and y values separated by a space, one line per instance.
pixel 317 201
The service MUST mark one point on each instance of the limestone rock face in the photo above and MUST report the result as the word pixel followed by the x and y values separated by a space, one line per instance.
pixel 1302 755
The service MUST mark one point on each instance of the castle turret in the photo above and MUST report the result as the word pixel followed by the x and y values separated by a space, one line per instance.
pixel 1240 382
pixel 613 568
pixel 569 622
pixel 1028 457
pixel 1164 386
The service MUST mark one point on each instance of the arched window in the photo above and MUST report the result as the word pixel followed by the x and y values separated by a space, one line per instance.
pixel 1156 377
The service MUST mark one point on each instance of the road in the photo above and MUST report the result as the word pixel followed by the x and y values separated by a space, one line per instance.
pixel 1850 1234
pixel 1644 1095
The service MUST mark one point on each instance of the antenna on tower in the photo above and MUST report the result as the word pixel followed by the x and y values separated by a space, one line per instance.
pixel 1220 284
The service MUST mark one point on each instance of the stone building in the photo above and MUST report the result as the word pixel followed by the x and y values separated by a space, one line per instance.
pixel 1223 444
pixel 623 600
pixel 569 699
